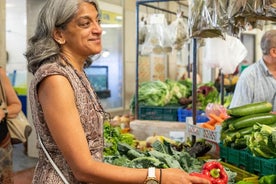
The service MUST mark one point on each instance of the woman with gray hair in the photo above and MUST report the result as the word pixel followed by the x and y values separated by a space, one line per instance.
pixel 257 82
pixel 66 112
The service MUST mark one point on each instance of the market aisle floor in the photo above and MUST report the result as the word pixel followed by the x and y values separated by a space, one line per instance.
pixel 23 165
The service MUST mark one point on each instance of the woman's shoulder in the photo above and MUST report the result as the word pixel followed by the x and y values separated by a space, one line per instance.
pixel 50 69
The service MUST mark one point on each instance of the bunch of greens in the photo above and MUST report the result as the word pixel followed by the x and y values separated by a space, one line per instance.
pixel 159 93
pixel 262 141
pixel 113 135
pixel 188 83
pixel 177 90
pixel 162 155
pixel 206 93
pixel 154 93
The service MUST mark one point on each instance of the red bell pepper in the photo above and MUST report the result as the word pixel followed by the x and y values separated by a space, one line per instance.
pixel 201 175
pixel 216 171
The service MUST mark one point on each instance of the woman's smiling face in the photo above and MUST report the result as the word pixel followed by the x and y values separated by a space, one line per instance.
pixel 82 34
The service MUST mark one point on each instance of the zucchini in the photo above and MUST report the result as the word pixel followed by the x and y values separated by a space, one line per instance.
pixel 250 120
pixel 228 136
pixel 244 131
pixel 226 122
pixel 239 144
pixel 248 109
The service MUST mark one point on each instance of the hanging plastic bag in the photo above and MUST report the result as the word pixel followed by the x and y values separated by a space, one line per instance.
pixel 270 8
pixel 157 40
pixel 143 30
pixel 236 52
pixel 225 54
pixel 235 7
pixel 203 19
pixel 178 31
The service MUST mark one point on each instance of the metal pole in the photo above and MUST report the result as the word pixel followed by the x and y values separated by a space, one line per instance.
pixel 194 93
pixel 137 62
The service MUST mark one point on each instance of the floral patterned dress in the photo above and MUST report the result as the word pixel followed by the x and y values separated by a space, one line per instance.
pixel 91 115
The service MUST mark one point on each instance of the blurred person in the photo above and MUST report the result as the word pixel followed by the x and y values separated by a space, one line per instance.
pixel 66 111
pixel 13 107
pixel 257 82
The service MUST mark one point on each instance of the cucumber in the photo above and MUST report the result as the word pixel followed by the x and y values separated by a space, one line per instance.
pixel 250 120
pixel 248 109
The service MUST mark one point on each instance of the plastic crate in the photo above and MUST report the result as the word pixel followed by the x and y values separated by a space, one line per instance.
pixel 210 135
pixel 166 113
pixel 261 166
pixel 223 152
pixel 245 159
pixel 268 166
pixel 234 156
pixel 242 175
pixel 184 113
pixel 239 158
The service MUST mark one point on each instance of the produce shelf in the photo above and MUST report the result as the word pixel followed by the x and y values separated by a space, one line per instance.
pixel 261 166
pixel 245 159
pixel 239 158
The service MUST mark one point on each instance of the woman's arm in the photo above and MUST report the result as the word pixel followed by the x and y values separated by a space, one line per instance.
pixel 13 103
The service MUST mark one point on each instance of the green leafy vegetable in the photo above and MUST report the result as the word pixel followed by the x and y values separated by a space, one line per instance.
pixel 177 90
pixel 261 141
pixel 112 136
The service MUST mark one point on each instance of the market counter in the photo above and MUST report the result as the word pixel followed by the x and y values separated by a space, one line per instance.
pixel 145 128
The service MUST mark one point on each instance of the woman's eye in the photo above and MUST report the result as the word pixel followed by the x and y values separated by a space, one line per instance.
pixel 85 24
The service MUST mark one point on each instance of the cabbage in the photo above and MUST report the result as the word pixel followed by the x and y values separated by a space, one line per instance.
pixel 177 90
pixel 155 93
pixel 159 93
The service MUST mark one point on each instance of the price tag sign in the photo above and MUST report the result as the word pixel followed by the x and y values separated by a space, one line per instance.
pixel 177 135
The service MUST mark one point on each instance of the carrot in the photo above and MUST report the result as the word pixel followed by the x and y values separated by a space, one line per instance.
pixel 211 121
pixel 223 116
pixel 217 118
pixel 208 126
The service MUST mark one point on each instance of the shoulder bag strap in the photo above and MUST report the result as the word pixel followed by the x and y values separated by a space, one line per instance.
pixel 52 162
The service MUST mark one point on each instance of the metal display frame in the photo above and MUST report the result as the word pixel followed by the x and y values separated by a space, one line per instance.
pixel 194 43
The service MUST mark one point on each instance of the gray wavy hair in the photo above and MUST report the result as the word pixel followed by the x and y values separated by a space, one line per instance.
pixel 268 41
pixel 42 48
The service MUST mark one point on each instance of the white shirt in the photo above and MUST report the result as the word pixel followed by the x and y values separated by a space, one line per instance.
pixel 255 84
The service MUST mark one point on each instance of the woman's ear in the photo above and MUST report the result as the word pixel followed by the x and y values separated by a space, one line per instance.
pixel 58 36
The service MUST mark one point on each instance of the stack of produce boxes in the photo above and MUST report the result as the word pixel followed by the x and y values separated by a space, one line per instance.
pixel 247 138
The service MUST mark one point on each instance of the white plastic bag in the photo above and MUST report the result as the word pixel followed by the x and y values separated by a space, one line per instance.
pixel 224 54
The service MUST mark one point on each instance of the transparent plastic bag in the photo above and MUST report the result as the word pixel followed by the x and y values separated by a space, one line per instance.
pixel 203 19
pixel 157 40
pixel 143 30
pixel 178 32
pixel 217 109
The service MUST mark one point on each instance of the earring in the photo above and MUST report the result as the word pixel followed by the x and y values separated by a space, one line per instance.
pixel 61 42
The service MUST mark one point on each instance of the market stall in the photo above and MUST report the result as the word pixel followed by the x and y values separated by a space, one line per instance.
pixel 233 140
